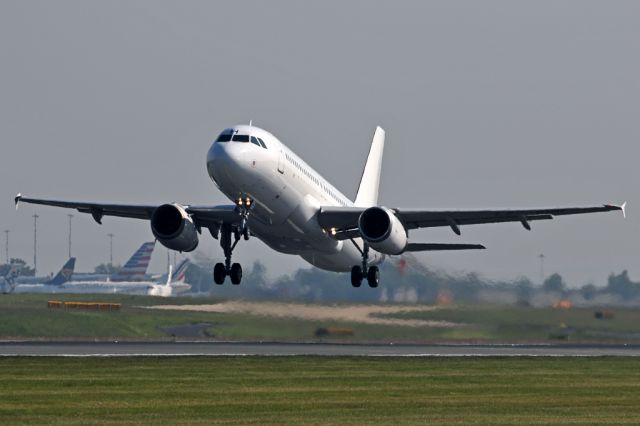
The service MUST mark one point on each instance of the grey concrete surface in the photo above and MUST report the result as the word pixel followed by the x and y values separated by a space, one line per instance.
pixel 98 349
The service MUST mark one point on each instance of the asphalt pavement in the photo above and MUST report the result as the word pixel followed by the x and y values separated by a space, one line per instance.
pixel 106 349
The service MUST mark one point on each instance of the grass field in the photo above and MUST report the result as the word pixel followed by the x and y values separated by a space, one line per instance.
pixel 517 323
pixel 284 390
pixel 26 316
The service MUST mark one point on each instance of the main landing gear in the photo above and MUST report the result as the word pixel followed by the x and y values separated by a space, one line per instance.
pixel 358 273
pixel 234 271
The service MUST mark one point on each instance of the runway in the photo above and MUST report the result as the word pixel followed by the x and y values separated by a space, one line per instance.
pixel 121 349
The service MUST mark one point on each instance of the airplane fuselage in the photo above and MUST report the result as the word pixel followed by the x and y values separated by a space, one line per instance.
pixel 287 196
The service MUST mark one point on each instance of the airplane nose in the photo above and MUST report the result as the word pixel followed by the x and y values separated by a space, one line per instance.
pixel 226 160
pixel 217 160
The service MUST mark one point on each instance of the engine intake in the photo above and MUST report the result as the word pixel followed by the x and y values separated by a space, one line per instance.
pixel 382 230
pixel 174 228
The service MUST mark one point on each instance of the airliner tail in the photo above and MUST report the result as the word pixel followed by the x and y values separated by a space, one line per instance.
pixel 367 195
pixel 136 266
pixel 65 273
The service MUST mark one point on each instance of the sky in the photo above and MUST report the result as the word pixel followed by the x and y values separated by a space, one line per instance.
pixel 493 104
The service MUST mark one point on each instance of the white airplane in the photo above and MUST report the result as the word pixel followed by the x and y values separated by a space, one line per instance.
pixel 41 284
pixel 289 206
pixel 174 285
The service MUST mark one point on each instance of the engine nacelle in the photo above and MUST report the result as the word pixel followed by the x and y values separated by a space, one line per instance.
pixel 174 228
pixel 382 230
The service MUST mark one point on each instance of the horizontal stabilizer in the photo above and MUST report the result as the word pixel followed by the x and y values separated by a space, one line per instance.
pixel 438 247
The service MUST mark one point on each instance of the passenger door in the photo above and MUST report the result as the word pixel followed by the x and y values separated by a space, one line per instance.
pixel 281 161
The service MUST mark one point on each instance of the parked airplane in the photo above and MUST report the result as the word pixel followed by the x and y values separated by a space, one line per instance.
pixel 173 285
pixel 8 275
pixel 294 210
pixel 39 285
pixel 61 277
pixel 134 270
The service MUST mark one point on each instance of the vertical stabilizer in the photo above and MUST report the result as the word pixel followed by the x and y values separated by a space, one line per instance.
pixel 136 267
pixel 180 272
pixel 65 273
pixel 367 195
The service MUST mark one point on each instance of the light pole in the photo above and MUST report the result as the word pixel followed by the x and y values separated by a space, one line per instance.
pixel 541 256
pixel 35 244
pixel 70 217
pixel 110 249
pixel 6 244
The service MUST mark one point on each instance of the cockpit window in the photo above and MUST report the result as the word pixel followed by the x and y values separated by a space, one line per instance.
pixel 240 138
pixel 262 143
pixel 254 140
pixel 224 137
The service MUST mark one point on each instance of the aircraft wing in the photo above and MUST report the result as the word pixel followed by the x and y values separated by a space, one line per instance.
pixel 345 219
pixel 203 216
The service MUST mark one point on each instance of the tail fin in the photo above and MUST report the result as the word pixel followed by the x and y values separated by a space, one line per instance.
pixel 181 270
pixel 65 273
pixel 169 276
pixel 367 195
pixel 136 266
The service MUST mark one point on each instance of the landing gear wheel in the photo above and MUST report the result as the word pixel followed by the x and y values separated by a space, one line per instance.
pixel 236 274
pixel 373 276
pixel 219 273
pixel 356 276
pixel 245 233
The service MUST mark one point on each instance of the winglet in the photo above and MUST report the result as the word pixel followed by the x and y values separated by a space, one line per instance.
pixel 17 200
pixel 622 207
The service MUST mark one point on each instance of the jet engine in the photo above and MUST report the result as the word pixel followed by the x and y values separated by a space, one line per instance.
pixel 382 230
pixel 174 228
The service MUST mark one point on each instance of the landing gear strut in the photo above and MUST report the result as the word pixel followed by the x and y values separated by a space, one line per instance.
pixel 234 271
pixel 221 270
pixel 358 273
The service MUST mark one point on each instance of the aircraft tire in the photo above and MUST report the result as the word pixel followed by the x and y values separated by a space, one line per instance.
pixel 356 276
pixel 373 276
pixel 235 274
pixel 219 273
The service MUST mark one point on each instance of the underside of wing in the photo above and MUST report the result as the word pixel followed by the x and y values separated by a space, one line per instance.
pixel 97 210
pixel 454 218
pixel 345 219
pixel 203 216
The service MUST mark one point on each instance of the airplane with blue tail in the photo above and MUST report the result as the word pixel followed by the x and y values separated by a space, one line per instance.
pixel 46 284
